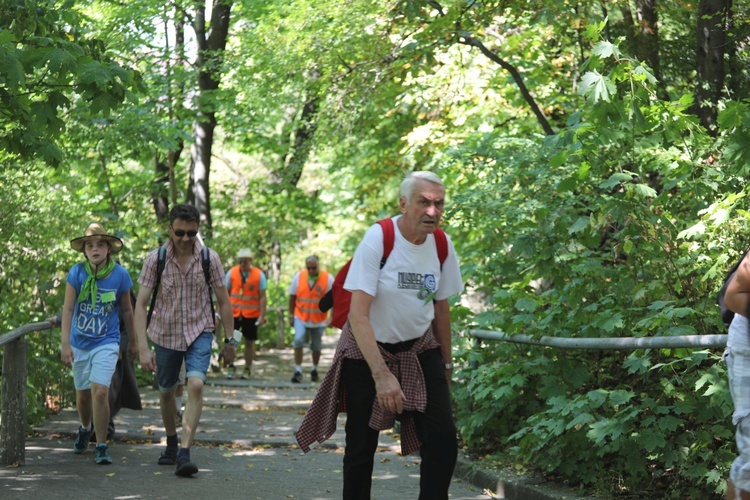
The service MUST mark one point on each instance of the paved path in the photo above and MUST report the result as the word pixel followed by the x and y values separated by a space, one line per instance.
pixel 245 448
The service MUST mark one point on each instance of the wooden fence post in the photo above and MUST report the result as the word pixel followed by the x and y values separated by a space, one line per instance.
pixel 13 431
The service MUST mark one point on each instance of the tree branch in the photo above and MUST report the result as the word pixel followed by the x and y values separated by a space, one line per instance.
pixel 541 118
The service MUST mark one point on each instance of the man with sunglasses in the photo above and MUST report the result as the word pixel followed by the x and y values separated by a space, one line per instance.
pixel 181 328
pixel 308 287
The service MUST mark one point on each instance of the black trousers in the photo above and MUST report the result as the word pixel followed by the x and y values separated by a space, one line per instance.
pixel 435 428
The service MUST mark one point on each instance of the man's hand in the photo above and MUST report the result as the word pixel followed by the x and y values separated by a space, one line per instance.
pixel 229 352
pixel 261 321
pixel 388 392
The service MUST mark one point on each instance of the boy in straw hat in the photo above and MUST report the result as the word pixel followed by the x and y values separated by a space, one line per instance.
pixel 97 289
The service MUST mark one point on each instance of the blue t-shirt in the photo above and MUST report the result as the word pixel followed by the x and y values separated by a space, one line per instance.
pixel 98 325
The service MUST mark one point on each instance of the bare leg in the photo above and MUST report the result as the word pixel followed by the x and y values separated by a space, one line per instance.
pixel 193 410
pixel 168 412
pixel 83 404
pixel 297 355
pixel 316 357
pixel 249 354
pixel 100 396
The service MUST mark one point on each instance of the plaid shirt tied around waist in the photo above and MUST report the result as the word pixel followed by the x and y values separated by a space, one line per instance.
pixel 319 423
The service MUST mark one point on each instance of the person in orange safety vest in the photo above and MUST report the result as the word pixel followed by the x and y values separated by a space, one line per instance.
pixel 247 293
pixel 305 316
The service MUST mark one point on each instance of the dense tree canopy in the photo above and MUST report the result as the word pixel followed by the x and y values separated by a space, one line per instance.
pixel 596 155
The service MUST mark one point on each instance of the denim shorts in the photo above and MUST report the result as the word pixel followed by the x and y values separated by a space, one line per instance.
pixel 302 333
pixel 169 362
pixel 96 365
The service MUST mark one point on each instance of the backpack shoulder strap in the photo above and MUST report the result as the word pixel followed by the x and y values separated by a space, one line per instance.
pixel 160 263
pixel 206 261
pixel 388 237
pixel 441 242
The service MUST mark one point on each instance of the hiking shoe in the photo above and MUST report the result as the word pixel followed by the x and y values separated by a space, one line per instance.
pixel 82 441
pixel 314 375
pixel 185 467
pixel 168 457
pixel 230 375
pixel 297 378
pixel 245 374
pixel 101 454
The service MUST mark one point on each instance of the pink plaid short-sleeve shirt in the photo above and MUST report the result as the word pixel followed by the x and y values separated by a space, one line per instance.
pixel 183 308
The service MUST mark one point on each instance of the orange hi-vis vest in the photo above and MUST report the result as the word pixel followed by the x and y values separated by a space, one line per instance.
pixel 245 296
pixel 306 308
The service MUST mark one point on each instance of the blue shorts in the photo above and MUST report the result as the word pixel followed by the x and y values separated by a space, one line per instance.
pixel 303 334
pixel 96 365
pixel 169 362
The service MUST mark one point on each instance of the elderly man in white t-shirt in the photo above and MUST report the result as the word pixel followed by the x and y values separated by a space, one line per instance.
pixel 394 357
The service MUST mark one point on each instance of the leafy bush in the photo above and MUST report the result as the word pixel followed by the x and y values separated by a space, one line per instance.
pixel 616 226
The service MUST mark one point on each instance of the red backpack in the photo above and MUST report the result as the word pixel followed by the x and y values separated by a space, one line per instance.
pixel 340 299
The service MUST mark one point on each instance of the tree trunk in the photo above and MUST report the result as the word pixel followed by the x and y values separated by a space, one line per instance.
pixel 200 166
pixel 647 35
pixel 210 54
pixel 713 16
pixel 164 191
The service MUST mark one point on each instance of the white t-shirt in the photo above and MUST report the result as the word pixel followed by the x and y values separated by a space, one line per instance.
pixel 403 290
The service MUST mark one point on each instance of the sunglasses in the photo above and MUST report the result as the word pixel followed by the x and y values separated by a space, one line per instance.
pixel 180 233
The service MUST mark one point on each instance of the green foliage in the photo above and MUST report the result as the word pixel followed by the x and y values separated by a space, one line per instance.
pixel 46 62
pixel 616 226
pixel 620 224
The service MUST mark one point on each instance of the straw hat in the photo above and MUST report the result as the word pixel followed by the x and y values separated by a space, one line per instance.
pixel 245 253
pixel 96 232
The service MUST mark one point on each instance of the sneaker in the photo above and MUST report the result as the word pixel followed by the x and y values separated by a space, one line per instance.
pixel 185 467
pixel 314 375
pixel 101 454
pixel 245 374
pixel 230 375
pixel 82 441
pixel 169 456
pixel 297 378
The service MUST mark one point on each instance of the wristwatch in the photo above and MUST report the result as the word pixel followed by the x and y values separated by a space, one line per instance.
pixel 448 366
pixel 231 341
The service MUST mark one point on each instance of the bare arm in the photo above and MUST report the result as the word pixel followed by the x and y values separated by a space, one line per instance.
pixel 441 327
pixel 387 389
pixel 67 320
pixel 227 320
pixel 737 297
pixel 146 357
pixel 263 306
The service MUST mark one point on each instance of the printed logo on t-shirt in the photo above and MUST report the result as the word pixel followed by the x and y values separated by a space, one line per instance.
pixel 426 284
pixel 92 320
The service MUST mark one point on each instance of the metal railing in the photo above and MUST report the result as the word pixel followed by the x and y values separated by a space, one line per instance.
pixel 13 403
pixel 608 343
